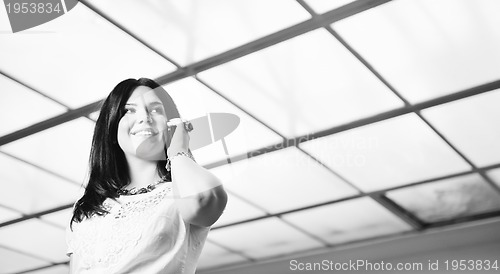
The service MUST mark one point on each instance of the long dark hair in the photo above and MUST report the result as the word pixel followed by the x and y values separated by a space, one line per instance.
pixel 109 170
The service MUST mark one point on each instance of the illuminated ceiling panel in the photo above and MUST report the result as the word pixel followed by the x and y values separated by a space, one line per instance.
pixel 286 179
pixel 426 49
pixel 14 261
pixel 18 105
pixel 303 85
pixel 448 199
pixel 35 190
pixel 213 255
pixel 58 269
pixel 26 237
pixel 259 242
pixel 63 149
pixel 322 6
pixel 495 175
pixel 386 154
pixel 471 125
pixel 237 210
pixel 104 55
pixel 196 100
pixel 7 214
pixel 220 25
pixel 60 218
pixel 348 221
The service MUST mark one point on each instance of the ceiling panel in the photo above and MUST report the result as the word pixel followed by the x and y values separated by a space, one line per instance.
pixel 303 85
pixel 282 180
pixel 79 37
pixel 237 210
pixel 386 154
pixel 18 106
pixel 322 6
pixel 495 175
pixel 7 214
pixel 60 218
pixel 14 261
pixel 196 100
pixel 4 21
pixel 348 221
pixel 220 25
pixel 471 124
pixel 30 190
pixel 20 236
pixel 58 269
pixel 448 199
pixel 263 238
pixel 426 49
pixel 63 149
pixel 213 255
pixel 94 115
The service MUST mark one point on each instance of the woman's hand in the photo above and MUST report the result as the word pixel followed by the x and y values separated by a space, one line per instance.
pixel 179 141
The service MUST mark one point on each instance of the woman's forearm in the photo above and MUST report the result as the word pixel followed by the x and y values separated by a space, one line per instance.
pixel 200 195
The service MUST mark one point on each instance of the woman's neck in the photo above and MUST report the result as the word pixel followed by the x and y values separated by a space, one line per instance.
pixel 142 172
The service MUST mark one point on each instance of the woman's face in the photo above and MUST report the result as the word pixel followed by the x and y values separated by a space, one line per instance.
pixel 141 130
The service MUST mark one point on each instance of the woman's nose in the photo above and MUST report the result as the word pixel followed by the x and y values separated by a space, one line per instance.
pixel 145 117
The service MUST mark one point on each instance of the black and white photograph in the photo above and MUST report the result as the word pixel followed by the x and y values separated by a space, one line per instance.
pixel 249 136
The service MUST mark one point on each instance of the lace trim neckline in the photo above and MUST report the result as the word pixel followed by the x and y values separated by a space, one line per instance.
pixel 155 189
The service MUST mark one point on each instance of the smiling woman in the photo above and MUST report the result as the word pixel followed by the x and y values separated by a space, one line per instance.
pixel 137 215
pixel 140 130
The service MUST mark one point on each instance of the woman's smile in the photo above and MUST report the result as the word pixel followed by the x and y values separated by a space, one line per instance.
pixel 148 132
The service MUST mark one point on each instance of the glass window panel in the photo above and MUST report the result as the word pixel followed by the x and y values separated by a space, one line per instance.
pixel 94 115
pixel 322 6
pixel 448 199
pixel 282 180
pixel 79 37
pixel 214 256
pixel 426 49
pixel 30 190
pixel 220 25
pixel 7 214
pixel 13 262
pixel 387 154
pixel 263 238
pixel 4 21
pixel 63 149
pixel 25 237
pixel 495 175
pixel 303 85
pixel 60 218
pixel 471 125
pixel 237 210
pixel 195 100
pixel 21 107
pixel 348 221
pixel 57 269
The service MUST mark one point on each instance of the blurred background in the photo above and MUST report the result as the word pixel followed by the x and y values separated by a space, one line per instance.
pixel 368 129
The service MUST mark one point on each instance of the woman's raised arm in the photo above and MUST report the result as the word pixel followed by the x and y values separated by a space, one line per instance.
pixel 201 198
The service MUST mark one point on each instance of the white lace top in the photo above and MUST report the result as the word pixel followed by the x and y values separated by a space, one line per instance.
pixel 143 233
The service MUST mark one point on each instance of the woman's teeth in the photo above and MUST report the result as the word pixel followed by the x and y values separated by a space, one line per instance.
pixel 144 133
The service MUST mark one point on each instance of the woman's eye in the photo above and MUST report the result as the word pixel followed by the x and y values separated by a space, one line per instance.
pixel 129 110
pixel 156 110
